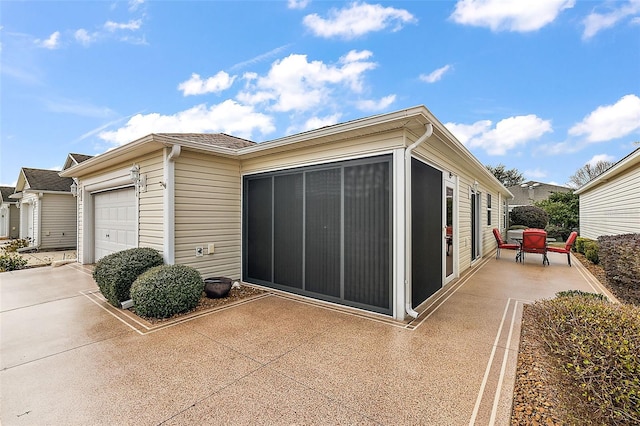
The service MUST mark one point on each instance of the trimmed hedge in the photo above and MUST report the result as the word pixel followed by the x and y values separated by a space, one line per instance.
pixel 167 290
pixel 595 346
pixel 529 216
pixel 115 273
pixel 620 256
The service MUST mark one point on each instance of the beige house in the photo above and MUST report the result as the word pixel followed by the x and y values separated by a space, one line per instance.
pixel 378 213
pixel 9 214
pixel 609 203
pixel 47 209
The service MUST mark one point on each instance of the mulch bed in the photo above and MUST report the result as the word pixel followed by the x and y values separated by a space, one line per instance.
pixel 235 294
pixel 537 389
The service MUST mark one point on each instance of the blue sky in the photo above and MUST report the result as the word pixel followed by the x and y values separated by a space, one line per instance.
pixel 544 86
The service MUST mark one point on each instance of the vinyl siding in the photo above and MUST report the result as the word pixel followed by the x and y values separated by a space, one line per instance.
pixel 612 208
pixel 58 221
pixel 151 204
pixel 208 210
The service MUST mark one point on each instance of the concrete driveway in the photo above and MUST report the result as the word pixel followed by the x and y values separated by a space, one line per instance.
pixel 69 358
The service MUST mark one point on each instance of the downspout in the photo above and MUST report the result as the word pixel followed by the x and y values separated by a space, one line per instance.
pixel 407 212
pixel 169 204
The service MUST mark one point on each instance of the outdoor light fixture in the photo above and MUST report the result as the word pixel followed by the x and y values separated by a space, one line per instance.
pixel 139 181
pixel 74 188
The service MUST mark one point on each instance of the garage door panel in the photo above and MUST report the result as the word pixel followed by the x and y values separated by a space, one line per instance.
pixel 115 221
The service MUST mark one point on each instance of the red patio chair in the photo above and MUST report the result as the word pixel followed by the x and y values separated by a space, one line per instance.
pixel 502 244
pixel 567 247
pixel 534 241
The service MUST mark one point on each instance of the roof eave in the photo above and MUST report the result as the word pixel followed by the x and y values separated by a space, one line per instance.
pixel 633 159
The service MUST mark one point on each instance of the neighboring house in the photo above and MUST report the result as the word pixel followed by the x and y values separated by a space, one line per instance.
pixel 376 213
pixel 528 193
pixel 610 202
pixel 48 211
pixel 9 214
pixel 75 159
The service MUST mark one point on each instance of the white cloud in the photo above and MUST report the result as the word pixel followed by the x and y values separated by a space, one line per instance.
pixel 376 105
pixel 83 37
pixel 464 132
pixel 298 4
pixel 132 25
pixel 295 84
pixel 196 86
pixel 535 174
pixel 597 22
pixel 358 19
pixel 435 75
pixel 509 15
pixel 610 122
pixel 135 4
pixel 53 42
pixel 508 133
pixel 314 123
pixel 76 107
pixel 259 58
pixel 228 117
pixel 56 168
pixel 600 157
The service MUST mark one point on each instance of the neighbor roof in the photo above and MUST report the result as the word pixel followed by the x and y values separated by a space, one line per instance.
pixel 214 139
pixel 5 191
pixel 541 191
pixel 46 180
pixel 73 159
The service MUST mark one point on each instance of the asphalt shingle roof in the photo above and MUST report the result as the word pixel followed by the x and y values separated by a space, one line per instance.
pixel 6 191
pixel 46 180
pixel 79 158
pixel 213 139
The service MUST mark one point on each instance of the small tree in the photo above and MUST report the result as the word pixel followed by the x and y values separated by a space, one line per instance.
pixel 563 209
pixel 529 216
pixel 509 177
pixel 587 172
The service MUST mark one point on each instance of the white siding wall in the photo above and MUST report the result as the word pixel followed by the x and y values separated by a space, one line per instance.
pixel 208 210
pixel 612 208
pixel 58 221
pixel 151 228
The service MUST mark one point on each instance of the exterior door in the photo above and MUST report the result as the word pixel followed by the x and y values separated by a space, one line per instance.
pixel 450 230
pixel 114 221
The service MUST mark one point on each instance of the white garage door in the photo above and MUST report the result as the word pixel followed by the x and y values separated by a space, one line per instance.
pixel 114 221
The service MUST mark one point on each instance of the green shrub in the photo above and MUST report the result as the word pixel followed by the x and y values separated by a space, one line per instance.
pixel 595 345
pixel 11 262
pixel 167 290
pixel 115 273
pixel 580 293
pixel 557 232
pixel 529 216
pixel 13 245
pixel 620 258
pixel 591 251
pixel 580 244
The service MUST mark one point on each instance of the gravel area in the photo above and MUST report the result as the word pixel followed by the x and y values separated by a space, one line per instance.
pixel 236 294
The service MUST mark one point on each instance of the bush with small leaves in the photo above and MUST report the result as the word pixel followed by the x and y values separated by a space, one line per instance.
pixel 529 216
pixel 167 290
pixel 11 262
pixel 594 344
pixel 13 245
pixel 115 273
pixel 591 251
pixel 620 258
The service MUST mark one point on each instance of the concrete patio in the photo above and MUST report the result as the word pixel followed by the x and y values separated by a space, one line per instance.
pixel 69 358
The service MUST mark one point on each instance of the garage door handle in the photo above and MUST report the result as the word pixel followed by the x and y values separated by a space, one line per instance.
pixel 107 235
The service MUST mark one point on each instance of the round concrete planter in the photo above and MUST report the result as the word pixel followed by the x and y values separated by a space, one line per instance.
pixel 217 287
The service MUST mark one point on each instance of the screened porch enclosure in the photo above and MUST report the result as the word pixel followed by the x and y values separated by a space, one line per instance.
pixel 322 231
